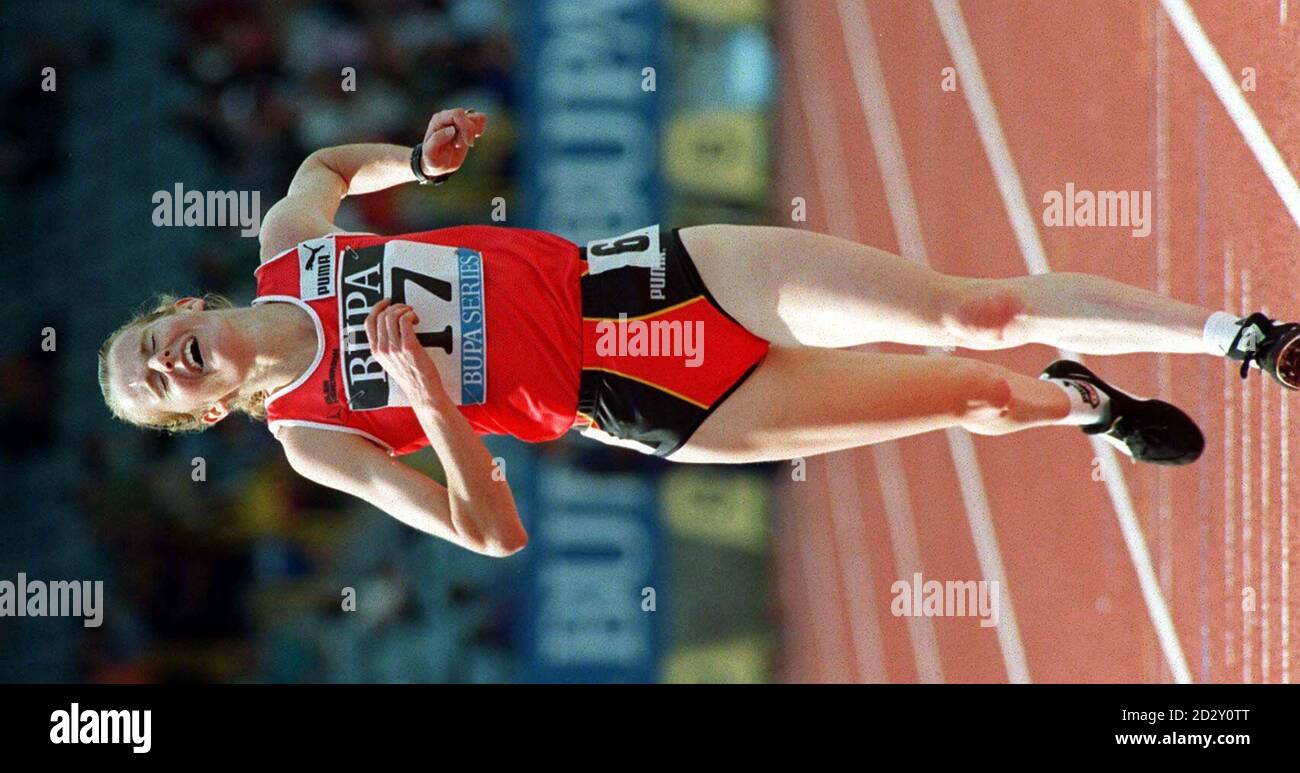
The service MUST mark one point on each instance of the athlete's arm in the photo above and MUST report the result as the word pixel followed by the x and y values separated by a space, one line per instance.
pixel 356 466
pixel 473 511
pixel 476 509
pixel 330 174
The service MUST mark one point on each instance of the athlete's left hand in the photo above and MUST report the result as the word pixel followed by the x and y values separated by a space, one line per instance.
pixel 395 345
pixel 450 135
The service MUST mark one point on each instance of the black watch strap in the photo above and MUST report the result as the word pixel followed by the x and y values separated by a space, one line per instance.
pixel 418 168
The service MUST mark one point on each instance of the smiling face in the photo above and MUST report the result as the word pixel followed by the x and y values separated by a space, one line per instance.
pixel 172 365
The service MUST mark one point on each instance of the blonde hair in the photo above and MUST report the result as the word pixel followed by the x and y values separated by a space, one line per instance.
pixel 164 306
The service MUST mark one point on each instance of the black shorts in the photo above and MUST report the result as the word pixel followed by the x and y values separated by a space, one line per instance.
pixel 659 353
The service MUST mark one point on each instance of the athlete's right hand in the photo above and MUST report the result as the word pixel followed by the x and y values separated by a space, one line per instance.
pixel 447 141
pixel 390 328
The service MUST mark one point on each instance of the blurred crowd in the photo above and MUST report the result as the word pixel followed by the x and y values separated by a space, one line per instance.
pixel 276 80
pixel 243 574
pixel 236 569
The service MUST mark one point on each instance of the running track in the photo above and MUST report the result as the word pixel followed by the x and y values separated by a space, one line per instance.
pixel 1138 576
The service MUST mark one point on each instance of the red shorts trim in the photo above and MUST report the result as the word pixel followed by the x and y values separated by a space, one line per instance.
pixel 658 357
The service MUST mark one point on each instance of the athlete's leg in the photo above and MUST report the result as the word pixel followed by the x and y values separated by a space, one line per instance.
pixel 799 287
pixel 805 401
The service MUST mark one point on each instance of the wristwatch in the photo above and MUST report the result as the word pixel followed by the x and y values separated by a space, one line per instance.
pixel 416 166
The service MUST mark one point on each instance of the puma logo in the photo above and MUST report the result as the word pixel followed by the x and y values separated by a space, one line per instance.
pixel 311 259
pixel 316 273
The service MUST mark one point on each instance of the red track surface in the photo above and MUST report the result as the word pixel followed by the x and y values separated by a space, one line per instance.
pixel 1089 93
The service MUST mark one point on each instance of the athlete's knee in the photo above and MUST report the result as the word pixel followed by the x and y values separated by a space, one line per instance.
pixel 983 314
pixel 982 392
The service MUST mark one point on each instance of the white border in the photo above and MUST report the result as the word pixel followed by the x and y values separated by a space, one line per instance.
pixel 320 342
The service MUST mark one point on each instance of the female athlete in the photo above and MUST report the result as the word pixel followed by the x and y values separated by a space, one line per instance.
pixel 720 344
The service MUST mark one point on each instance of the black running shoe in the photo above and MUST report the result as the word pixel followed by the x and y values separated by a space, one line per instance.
pixel 1146 430
pixel 1272 346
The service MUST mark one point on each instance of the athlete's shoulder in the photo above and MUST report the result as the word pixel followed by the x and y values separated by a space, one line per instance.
pixel 312 450
pixel 279 275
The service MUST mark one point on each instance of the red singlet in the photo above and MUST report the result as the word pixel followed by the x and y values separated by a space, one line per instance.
pixel 530 293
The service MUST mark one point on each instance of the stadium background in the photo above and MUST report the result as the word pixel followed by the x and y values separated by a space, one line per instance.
pixel 929 128
pixel 239 577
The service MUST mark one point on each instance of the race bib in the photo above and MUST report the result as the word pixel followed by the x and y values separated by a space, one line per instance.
pixel 445 287
pixel 635 248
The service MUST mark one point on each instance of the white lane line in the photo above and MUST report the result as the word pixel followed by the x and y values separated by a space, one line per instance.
pixel 815 577
pixel 857 582
pixel 819 120
pixel 1247 618
pixel 1164 373
pixel 891 477
pixel 995 144
pixel 988 552
pixel 814 550
pixel 1013 197
pixel 1204 516
pixel 1225 87
pixel 1285 539
pixel 873 94
pixel 1265 486
pixel 829 178
pixel 1231 435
